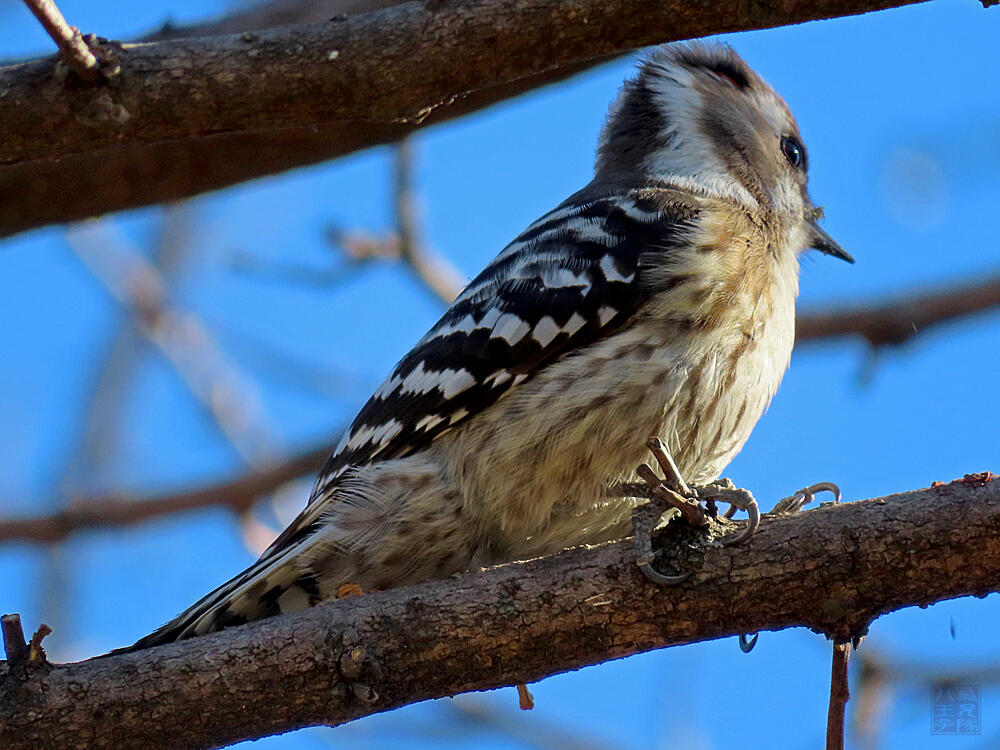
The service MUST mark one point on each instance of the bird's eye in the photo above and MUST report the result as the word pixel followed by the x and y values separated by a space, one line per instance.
pixel 794 151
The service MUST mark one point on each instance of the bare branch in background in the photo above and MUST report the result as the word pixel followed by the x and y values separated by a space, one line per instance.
pixel 73 50
pixel 898 321
pixel 98 436
pixel 884 676
pixel 514 624
pixel 354 79
pixel 123 510
pixel 360 249
pixel 436 273
pixel 214 381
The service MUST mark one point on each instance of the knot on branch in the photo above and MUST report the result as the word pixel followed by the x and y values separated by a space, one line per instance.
pixel 354 663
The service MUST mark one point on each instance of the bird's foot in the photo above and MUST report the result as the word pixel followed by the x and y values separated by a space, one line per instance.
pixel 795 503
pixel 672 492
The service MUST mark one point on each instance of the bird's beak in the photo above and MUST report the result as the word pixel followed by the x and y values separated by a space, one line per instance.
pixel 823 242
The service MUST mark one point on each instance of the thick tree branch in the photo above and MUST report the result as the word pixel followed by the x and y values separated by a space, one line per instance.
pixel 355 78
pixel 513 624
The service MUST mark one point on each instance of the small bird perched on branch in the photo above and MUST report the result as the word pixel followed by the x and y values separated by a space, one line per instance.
pixel 658 300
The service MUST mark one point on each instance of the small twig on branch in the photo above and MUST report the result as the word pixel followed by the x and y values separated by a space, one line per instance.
pixel 36 654
pixel 898 321
pixel 839 695
pixel 13 640
pixel 432 270
pixel 525 700
pixel 672 474
pixel 515 624
pixel 72 48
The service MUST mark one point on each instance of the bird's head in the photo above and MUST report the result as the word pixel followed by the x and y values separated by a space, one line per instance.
pixel 697 116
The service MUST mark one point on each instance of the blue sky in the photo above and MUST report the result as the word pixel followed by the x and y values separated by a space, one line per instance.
pixel 900 111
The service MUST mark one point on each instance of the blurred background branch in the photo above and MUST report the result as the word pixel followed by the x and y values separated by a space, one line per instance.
pixel 896 321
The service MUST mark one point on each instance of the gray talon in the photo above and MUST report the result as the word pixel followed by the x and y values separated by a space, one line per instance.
pixel 739 499
pixel 644 520
pixel 796 502
pixel 747 644
pixel 646 566
pixel 753 511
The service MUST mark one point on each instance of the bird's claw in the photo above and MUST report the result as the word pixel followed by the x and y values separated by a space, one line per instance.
pixel 646 566
pixel 738 499
pixel 795 503
pixel 644 519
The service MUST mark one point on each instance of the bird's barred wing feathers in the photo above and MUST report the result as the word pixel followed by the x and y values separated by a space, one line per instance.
pixel 572 277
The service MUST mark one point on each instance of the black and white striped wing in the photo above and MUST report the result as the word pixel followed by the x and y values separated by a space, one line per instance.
pixel 570 278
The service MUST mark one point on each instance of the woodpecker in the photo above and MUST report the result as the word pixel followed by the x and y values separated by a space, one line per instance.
pixel 657 300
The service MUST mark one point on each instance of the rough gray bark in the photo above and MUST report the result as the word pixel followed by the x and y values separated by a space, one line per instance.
pixel 832 570
pixel 362 80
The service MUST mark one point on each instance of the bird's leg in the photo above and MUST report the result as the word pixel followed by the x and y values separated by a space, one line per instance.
pixel 721 489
